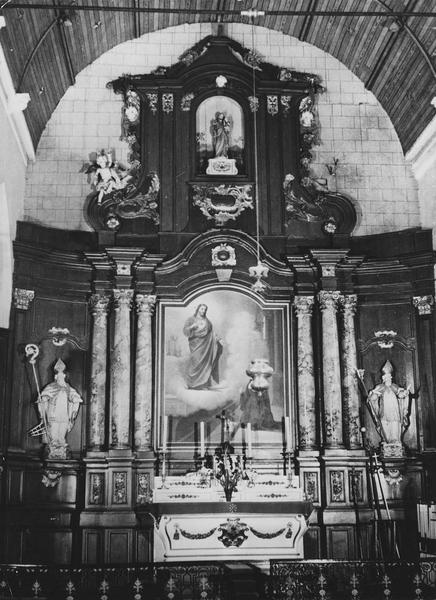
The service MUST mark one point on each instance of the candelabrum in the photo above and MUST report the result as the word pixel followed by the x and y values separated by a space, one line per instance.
pixel 204 475
pixel 250 474
pixel 228 471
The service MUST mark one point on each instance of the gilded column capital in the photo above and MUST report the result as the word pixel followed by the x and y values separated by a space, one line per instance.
pixel 99 304
pixel 424 304
pixel 123 297
pixel 303 305
pixel 349 304
pixel 23 298
pixel 329 299
pixel 145 303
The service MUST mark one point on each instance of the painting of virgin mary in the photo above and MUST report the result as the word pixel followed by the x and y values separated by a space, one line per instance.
pixel 208 346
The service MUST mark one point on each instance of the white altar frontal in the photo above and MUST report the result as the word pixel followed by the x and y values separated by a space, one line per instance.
pixel 266 518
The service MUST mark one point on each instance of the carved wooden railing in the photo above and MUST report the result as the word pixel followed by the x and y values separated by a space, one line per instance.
pixel 358 580
pixel 290 580
pixel 166 581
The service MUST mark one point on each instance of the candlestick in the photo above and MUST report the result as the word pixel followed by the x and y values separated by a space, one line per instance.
pixel 249 441
pixel 163 474
pixel 165 433
pixel 223 418
pixel 202 442
pixel 288 432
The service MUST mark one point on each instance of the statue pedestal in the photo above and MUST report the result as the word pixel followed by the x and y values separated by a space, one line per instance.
pixel 221 166
pixel 392 450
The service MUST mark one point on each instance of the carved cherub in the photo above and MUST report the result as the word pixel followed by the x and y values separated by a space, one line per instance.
pixel 107 175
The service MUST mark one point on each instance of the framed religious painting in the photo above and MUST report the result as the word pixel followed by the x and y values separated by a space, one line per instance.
pixel 210 348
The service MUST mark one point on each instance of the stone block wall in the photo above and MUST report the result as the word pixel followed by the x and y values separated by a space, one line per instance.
pixel 354 128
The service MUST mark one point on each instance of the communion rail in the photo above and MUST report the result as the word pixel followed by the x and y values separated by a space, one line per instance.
pixel 288 580
pixel 352 580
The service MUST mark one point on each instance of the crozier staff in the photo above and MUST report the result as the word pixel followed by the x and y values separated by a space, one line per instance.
pixel 205 350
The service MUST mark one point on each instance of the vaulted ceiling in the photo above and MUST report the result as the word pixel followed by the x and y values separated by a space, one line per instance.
pixel 389 44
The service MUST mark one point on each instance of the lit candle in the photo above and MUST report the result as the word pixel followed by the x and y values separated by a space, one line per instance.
pixel 202 442
pixel 249 442
pixel 165 433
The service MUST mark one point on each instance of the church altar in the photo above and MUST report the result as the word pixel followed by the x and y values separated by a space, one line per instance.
pixel 266 518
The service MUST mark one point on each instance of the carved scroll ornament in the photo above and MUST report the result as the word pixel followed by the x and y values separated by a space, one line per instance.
pixel 136 200
pixel 222 203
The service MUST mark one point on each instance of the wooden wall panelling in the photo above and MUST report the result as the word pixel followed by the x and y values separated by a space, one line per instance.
pixel 396 317
pixel 64 493
pixel 185 146
pixel 96 486
pixel 21 394
pixel 144 546
pixel 289 141
pixel 312 543
pixel 11 549
pixel 73 315
pixel 4 347
pixel 310 482
pixel 262 149
pixel 118 546
pixel 61 282
pixel 39 542
pixel 364 543
pixel 14 485
pixel 51 273
pixel 92 546
pixel 336 485
pixel 408 538
pixel 120 486
pixel 150 138
pixel 273 160
pixel 4 410
pixel 167 195
pixel 425 385
pixel 340 542
pixel 429 483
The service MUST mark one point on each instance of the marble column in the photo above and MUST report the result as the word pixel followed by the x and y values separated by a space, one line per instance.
pixel 328 301
pixel 306 382
pixel 96 413
pixel 143 373
pixel 350 388
pixel 120 371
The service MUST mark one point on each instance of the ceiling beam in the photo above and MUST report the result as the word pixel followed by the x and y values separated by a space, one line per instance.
pixel 386 51
pixel 207 11
pixel 34 51
pixel 136 20
pixel 308 19
pixel 63 18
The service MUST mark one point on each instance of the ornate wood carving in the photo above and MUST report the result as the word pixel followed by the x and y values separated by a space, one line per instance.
pixel 222 203
pixel 166 137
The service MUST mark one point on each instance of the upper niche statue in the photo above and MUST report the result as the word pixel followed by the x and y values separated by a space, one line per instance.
pixel 221 130
pixel 221 126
